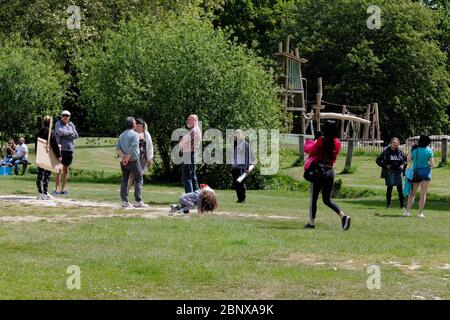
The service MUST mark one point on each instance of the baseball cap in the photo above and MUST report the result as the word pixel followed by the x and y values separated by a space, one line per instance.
pixel 65 112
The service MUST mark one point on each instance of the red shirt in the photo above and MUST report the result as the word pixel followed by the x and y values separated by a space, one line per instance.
pixel 316 152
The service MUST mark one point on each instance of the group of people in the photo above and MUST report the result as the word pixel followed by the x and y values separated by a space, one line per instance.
pixel 393 163
pixel 135 149
pixel 16 155
pixel 323 151
pixel 62 144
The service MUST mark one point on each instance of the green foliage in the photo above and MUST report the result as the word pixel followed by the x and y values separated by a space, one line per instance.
pixel 255 23
pixel 400 66
pixel 31 86
pixel 350 170
pixel 46 20
pixel 165 70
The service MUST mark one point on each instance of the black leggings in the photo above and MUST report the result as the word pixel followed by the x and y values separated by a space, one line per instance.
pixel 325 184
pixel 400 195
pixel 43 175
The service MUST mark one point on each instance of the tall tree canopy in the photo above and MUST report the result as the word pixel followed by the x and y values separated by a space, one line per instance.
pixel 166 70
pixel 31 85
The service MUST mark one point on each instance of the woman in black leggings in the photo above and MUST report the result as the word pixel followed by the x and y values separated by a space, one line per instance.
pixel 325 152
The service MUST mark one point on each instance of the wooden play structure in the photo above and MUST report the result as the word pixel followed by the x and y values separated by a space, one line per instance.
pixel 364 127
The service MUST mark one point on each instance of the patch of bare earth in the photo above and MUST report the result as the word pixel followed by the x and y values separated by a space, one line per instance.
pixel 150 212
pixel 348 264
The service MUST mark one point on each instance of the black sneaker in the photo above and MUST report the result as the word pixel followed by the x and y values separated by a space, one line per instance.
pixel 346 222
pixel 309 226
pixel 240 201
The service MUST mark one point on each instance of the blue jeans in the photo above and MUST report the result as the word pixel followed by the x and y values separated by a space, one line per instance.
pixel 189 175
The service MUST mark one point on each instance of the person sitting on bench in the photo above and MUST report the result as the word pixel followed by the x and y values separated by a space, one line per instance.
pixel 21 157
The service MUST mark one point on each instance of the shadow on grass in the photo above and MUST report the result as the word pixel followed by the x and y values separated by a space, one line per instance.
pixel 281 225
pixel 398 215
pixel 373 203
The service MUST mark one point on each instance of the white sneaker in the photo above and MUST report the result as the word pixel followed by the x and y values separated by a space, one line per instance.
pixel 40 196
pixel 47 197
pixel 140 204
pixel 406 213
pixel 173 208
pixel 125 204
pixel 421 215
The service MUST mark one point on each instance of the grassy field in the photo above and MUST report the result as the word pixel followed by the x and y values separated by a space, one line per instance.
pixel 262 254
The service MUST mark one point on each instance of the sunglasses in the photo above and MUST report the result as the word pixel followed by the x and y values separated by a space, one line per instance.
pixel 65 116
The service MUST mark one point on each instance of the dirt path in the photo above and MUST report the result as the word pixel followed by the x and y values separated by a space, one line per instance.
pixel 151 212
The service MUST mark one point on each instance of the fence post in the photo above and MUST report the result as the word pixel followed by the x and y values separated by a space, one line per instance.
pixel 348 158
pixel 301 146
pixel 444 143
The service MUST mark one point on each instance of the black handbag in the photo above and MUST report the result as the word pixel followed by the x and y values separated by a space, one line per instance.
pixel 314 172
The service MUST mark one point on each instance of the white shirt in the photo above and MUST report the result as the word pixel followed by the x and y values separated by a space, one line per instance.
pixel 21 151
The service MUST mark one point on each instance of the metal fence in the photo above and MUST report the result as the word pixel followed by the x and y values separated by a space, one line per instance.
pixel 291 141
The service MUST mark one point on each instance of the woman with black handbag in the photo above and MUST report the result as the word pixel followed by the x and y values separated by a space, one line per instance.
pixel 393 161
pixel 325 152
pixel 422 158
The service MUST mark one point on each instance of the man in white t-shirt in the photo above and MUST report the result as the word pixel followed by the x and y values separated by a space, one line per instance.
pixel 21 157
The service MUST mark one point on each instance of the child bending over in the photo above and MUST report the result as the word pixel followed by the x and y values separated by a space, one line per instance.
pixel 204 199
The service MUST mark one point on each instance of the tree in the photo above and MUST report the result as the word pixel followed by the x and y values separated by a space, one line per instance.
pixel 165 70
pixel 400 66
pixel 47 21
pixel 254 22
pixel 31 86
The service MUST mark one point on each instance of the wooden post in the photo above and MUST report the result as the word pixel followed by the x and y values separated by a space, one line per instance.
pixel 286 73
pixel 318 106
pixel 280 47
pixel 301 146
pixel 302 101
pixel 444 144
pixel 348 158
pixel 367 126
pixel 376 122
pixel 344 110
pixel 288 38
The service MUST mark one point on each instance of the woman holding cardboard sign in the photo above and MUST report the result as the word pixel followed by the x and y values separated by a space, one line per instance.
pixel 43 176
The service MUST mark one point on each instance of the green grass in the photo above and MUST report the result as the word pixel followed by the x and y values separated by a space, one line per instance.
pixel 225 257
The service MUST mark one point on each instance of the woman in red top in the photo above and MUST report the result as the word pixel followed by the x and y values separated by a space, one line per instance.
pixel 325 152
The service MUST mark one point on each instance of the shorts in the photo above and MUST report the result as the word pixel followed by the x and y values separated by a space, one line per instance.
pixel 67 158
pixel 424 174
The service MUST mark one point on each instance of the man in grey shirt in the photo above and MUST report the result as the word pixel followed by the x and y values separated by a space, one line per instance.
pixel 65 133
pixel 128 149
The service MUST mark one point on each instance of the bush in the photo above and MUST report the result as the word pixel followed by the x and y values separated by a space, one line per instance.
pixel 165 70
pixel 31 86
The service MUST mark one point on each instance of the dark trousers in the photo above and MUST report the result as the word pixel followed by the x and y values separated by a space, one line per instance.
pixel 43 177
pixel 325 184
pixel 239 187
pixel 189 174
pixel 401 198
